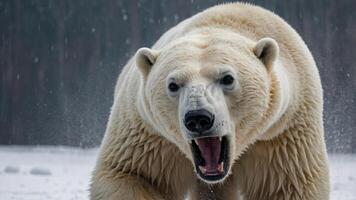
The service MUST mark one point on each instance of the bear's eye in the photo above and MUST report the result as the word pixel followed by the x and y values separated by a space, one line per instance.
pixel 227 80
pixel 173 87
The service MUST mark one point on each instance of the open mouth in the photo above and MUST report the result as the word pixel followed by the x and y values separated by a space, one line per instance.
pixel 210 156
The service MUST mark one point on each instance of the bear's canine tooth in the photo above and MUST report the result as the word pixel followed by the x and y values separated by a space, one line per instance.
pixel 221 167
pixel 202 169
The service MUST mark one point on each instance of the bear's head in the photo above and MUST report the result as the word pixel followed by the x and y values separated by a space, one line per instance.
pixel 206 93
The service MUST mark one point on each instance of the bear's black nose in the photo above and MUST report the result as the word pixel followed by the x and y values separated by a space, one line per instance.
pixel 198 121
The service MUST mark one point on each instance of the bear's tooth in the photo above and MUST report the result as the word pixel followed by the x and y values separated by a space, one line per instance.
pixel 221 167
pixel 202 169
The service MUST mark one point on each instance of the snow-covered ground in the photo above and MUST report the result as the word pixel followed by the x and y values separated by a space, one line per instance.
pixel 45 173
pixel 63 173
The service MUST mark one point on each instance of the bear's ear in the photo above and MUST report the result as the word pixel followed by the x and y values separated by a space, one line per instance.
pixel 145 59
pixel 267 51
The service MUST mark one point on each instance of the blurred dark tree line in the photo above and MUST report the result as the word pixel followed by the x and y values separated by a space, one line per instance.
pixel 59 61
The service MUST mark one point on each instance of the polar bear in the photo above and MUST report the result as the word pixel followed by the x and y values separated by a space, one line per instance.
pixel 226 105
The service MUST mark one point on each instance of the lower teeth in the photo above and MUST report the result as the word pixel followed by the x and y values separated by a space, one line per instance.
pixel 220 168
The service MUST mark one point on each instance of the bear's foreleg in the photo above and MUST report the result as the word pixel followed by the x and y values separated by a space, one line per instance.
pixel 125 187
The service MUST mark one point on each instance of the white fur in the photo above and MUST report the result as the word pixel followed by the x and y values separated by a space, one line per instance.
pixel 284 97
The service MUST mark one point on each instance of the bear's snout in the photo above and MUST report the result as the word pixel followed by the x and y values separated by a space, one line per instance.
pixel 198 121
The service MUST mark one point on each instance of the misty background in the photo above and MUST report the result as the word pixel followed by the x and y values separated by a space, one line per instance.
pixel 59 61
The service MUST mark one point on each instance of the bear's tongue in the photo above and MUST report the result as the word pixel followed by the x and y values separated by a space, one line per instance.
pixel 210 148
